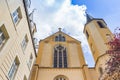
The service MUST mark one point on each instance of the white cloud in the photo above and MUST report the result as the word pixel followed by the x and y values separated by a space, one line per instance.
pixel 52 14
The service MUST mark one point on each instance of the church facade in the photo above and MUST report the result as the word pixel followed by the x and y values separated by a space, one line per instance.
pixel 60 57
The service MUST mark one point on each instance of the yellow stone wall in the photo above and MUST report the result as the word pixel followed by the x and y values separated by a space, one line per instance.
pixel 97 41
pixel 77 68
pixel 71 74
pixel 74 52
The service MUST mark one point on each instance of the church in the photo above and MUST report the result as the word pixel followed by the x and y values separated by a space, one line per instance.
pixel 60 56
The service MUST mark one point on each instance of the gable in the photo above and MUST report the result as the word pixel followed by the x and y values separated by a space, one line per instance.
pixel 64 37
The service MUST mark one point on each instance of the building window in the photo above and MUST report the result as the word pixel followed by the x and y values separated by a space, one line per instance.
pixel 87 35
pixel 16 15
pixel 13 69
pixel 92 48
pixel 60 57
pixel 25 78
pixel 24 42
pixel 3 35
pixel 108 37
pixel 101 25
pixel 61 77
pixel 56 38
pixel 60 38
pixel 100 70
pixel 30 61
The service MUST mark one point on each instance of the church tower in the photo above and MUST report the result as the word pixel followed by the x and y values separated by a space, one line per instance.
pixel 60 57
pixel 98 35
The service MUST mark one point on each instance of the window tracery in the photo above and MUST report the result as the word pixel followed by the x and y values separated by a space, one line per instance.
pixel 60 57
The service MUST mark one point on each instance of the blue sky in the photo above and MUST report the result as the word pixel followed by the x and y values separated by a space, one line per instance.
pixel 70 16
pixel 107 9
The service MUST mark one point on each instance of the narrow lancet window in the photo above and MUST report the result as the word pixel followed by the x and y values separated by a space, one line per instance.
pixel 60 57
pixel 60 38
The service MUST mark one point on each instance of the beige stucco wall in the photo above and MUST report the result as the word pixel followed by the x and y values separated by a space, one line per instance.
pixel 12 47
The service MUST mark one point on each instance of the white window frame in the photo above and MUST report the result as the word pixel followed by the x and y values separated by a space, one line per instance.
pixel 3 35
pixel 24 42
pixel 13 69
pixel 16 15
pixel 30 61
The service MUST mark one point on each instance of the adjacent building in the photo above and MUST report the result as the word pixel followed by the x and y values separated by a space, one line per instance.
pixel 17 52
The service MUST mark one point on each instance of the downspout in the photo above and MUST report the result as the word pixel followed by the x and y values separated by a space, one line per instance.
pixel 26 11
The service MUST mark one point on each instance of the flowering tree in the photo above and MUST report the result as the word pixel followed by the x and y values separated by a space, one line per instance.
pixel 113 64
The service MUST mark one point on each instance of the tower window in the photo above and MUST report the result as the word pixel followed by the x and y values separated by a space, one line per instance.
pixel 13 69
pixel 101 25
pixel 60 38
pixel 92 48
pixel 87 34
pixel 60 57
pixel 108 37
pixel 100 70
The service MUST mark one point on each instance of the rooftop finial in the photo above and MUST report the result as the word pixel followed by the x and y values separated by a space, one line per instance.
pixel 59 29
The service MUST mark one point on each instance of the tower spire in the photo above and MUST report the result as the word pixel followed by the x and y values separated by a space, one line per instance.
pixel 88 17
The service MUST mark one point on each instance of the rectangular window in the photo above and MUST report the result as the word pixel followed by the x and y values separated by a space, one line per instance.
pixel 87 34
pixel 92 48
pixel 101 25
pixel 30 61
pixel 109 37
pixel 24 42
pixel 3 35
pixel 16 15
pixel 25 78
pixel 13 69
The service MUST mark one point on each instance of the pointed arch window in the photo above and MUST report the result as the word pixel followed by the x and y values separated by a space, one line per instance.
pixel 60 77
pixel 56 38
pixel 63 38
pixel 60 38
pixel 60 57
